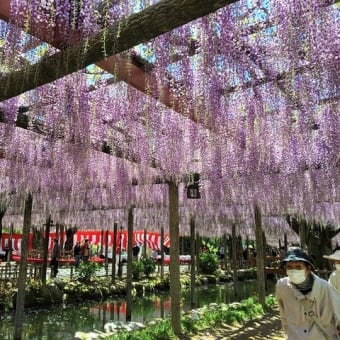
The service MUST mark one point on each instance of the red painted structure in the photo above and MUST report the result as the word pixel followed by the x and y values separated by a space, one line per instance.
pixel 153 239
pixel 61 261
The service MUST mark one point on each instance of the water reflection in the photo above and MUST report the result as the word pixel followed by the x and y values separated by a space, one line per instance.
pixel 61 322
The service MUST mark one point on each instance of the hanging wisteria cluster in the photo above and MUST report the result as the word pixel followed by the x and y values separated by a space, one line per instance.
pixel 247 97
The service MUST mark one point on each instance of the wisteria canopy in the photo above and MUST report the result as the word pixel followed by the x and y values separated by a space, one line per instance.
pixel 247 95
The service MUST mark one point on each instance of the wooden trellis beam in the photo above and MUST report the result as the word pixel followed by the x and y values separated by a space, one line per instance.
pixel 137 28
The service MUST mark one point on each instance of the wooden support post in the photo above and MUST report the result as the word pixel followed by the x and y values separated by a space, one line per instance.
pixel 20 302
pixel 61 237
pixel 129 266
pixel 260 255
pixel 225 245
pixel 162 253
pixel 175 286
pixel 114 249
pixel 10 243
pixel 198 249
pixel 120 265
pixel 101 252
pixel 106 251
pixel 144 242
pixel 45 250
pixel 303 233
pixel 234 255
pixel 193 295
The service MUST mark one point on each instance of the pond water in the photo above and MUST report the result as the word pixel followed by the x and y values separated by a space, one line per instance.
pixel 62 322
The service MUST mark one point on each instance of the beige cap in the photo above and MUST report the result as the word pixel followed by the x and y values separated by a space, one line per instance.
pixel 335 256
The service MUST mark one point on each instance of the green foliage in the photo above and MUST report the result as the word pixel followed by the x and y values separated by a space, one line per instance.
pixel 87 270
pixel 7 292
pixel 149 265
pixel 161 330
pixel 195 321
pixel 208 263
pixel 270 302
pixel 137 269
pixel 211 245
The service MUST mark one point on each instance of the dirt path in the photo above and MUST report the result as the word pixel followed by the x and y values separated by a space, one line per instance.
pixel 267 327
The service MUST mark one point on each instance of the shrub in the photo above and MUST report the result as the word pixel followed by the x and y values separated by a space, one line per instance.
pixel 137 269
pixel 208 263
pixel 149 265
pixel 86 270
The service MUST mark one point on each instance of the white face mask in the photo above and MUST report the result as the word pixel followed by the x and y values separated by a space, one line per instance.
pixel 296 276
pixel 337 266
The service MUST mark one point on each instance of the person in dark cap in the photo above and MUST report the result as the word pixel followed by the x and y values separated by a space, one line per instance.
pixel 309 306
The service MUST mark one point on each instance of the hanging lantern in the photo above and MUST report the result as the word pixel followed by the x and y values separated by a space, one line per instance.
pixel 193 187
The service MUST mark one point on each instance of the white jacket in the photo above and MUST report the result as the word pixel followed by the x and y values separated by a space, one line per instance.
pixel 295 321
pixel 334 280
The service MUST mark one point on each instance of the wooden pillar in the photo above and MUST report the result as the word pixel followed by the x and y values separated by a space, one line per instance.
pixel 144 242
pixel 285 241
pixel 101 252
pixel 120 265
pixel 198 250
pixel 193 295
pixel 61 238
pixel 45 249
pixel 20 302
pixel 106 251
pixel 114 249
pixel 303 233
pixel 248 252
pixel 175 286
pixel 129 266
pixel 234 254
pixel 57 231
pixel 2 214
pixel 162 253
pixel 260 256
pixel 10 243
pixel 225 245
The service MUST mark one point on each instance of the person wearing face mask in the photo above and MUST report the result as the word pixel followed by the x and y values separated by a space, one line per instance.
pixel 334 278
pixel 309 306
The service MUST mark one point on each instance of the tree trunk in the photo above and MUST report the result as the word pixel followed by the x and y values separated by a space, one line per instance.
pixel 175 285
pixel 20 301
